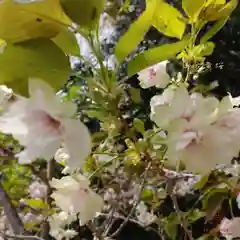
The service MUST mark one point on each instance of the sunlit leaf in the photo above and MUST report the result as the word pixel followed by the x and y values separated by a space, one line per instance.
pixel 136 32
pixel 168 20
pixel 224 11
pixel 204 49
pixel 193 8
pixel 39 58
pixel 32 19
pixel 155 55
pixel 36 203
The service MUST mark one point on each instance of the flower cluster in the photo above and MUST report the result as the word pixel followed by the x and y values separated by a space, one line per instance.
pixel 201 131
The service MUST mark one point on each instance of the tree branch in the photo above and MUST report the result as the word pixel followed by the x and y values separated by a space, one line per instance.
pixel 11 212
pixel 22 237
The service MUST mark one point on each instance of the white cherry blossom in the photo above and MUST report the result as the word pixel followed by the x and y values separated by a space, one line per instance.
pixel 41 122
pixel 73 195
pixel 155 75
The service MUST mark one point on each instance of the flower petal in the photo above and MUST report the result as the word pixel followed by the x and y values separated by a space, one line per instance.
pixel 32 152
pixel 44 97
pixel 77 141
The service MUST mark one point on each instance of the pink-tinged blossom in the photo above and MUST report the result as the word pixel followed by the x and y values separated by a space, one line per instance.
pixel 41 122
pixel 155 75
pixel 229 228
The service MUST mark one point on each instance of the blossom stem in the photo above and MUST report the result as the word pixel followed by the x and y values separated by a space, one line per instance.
pixel 45 228
pixel 181 219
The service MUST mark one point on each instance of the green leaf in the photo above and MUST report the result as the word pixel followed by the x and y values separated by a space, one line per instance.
pixel 139 125
pixel 96 114
pixel 135 95
pixel 136 32
pixel 214 30
pixel 24 21
pixel 171 225
pixel 202 182
pixel 155 55
pixel 36 203
pixel 194 215
pixel 67 41
pixel 193 8
pixel 83 12
pixel 169 20
pixel 39 58
pixel 213 202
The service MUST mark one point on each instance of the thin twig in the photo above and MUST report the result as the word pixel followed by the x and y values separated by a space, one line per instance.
pixel 11 212
pixel 181 219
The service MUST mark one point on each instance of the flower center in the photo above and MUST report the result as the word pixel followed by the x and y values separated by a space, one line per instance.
pixel 47 120
pixel 151 73
pixel 52 122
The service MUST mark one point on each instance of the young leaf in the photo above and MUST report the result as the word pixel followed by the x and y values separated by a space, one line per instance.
pixel 135 95
pixel 214 30
pixel 36 203
pixel 204 49
pixel 155 55
pixel 67 41
pixel 39 58
pixel 193 8
pixel 139 125
pixel 168 20
pixel 24 21
pixel 135 33
pixel 83 12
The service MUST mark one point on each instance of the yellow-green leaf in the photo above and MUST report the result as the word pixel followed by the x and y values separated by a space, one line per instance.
pixel 39 58
pixel 169 20
pixel 136 32
pixel 67 41
pixel 193 8
pixel 225 11
pixel 83 12
pixel 155 55
pixel 204 49
pixel 24 21
pixel 214 29
pixel 36 203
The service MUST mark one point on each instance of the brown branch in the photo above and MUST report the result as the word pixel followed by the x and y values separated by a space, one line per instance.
pixel 11 212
